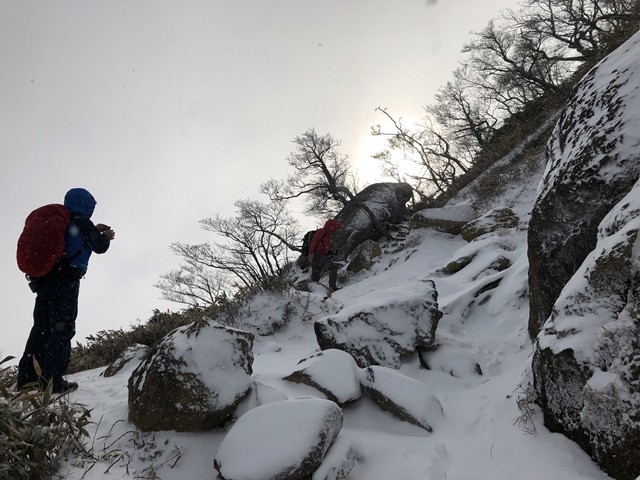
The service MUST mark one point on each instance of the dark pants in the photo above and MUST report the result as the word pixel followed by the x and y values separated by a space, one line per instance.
pixel 322 263
pixel 54 325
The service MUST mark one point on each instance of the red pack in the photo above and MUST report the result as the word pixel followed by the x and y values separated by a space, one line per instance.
pixel 41 242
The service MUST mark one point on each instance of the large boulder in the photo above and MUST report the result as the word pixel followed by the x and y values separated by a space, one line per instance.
pixel 386 331
pixel 193 380
pixel 279 441
pixel 332 372
pixel 590 167
pixel 587 360
pixel 387 202
pixel 402 396
pixel 449 219
pixel 585 271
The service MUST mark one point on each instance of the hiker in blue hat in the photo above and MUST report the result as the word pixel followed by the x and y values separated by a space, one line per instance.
pixel 56 306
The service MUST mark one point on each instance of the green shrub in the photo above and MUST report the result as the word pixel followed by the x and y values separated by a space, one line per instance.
pixel 37 430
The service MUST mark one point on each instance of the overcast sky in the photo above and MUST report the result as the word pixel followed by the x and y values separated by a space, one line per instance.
pixel 169 111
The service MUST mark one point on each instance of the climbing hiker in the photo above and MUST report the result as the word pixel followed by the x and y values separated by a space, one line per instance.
pixel 321 254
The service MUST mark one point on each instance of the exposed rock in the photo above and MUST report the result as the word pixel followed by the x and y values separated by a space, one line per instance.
pixel 387 201
pixel 339 461
pixel 457 265
pixel 590 167
pixel 362 258
pixel 333 372
pixel 133 353
pixel 500 218
pixel 193 380
pixel 449 219
pixel 587 361
pixel 387 332
pixel 500 264
pixel 285 451
pixel 402 396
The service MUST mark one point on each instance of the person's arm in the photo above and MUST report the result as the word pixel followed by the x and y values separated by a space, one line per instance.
pixel 99 236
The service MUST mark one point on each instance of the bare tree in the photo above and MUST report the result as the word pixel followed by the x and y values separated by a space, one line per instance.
pixel 321 175
pixel 436 156
pixel 511 66
pixel 253 248
pixel 192 284
pixel 466 118
pixel 577 27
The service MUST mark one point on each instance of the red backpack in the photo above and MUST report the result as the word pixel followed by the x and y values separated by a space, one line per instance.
pixel 41 242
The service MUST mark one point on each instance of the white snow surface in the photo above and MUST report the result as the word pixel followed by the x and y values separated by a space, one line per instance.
pixel 259 433
pixel 481 433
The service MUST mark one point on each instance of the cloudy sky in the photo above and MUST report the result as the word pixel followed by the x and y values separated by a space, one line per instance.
pixel 170 111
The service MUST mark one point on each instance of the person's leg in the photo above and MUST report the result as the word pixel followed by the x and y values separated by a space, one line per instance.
pixel 35 346
pixel 316 267
pixel 62 327
pixel 333 274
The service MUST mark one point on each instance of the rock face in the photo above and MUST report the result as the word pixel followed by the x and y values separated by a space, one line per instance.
pixel 268 443
pixel 585 271
pixel 589 169
pixel 388 203
pixel 193 380
pixel 587 362
pixel 363 257
pixel 387 332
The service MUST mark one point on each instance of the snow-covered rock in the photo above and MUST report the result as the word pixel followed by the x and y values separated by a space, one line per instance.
pixel 332 372
pixel 339 461
pixel 453 361
pixel 363 256
pixel 592 162
pixel 448 219
pixel 402 396
pixel 134 353
pixel 499 218
pixel 387 202
pixel 193 380
pixel 384 331
pixel 585 271
pixel 587 364
pixel 281 440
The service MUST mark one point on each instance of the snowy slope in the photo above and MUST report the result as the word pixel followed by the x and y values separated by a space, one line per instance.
pixel 480 435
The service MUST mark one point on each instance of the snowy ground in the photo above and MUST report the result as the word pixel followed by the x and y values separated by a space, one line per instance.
pixel 480 436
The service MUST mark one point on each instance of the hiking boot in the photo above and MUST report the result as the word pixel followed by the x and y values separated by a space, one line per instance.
pixel 59 385
pixel 64 386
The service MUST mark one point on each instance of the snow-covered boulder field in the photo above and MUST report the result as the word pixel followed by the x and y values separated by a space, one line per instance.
pixel 585 270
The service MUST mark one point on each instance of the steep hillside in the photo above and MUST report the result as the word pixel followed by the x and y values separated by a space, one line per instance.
pixel 478 370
